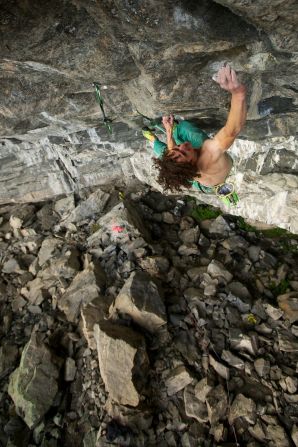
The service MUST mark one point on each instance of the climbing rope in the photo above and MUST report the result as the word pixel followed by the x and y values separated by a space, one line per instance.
pixel 106 121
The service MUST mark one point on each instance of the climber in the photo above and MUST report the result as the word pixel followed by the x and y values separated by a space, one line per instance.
pixel 181 164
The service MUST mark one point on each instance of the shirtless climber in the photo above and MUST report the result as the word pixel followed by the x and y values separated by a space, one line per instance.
pixel 181 164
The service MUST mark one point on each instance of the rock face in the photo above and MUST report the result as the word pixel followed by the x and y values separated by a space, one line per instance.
pixel 33 385
pixel 154 58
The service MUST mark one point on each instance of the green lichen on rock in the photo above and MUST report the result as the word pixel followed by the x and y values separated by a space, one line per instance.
pixel 33 385
pixel 204 212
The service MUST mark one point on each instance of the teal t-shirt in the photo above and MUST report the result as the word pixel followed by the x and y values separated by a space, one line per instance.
pixel 184 132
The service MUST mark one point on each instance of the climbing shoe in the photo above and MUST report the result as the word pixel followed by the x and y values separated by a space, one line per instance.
pixel 147 133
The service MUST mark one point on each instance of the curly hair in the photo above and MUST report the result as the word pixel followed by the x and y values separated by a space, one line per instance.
pixel 174 175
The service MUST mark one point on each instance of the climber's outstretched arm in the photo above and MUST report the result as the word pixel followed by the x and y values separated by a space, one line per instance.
pixel 227 79
pixel 168 123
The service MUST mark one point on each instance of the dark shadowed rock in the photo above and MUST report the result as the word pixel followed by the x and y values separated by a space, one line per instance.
pixel 92 313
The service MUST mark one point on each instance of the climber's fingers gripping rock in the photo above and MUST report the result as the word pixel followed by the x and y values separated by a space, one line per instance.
pixel 226 77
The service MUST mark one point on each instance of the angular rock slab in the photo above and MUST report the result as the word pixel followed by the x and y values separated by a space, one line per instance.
pixel 243 407
pixel 123 361
pixel 89 207
pixel 92 314
pixel 122 220
pixel 140 298
pixel 178 379
pixel 194 408
pixel 289 304
pixel 33 385
pixel 84 288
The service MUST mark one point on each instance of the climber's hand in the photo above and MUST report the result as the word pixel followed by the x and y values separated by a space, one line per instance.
pixel 227 79
pixel 168 122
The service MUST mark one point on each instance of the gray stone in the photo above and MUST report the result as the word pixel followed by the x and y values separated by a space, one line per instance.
pixel 202 389
pixel 196 273
pixel 235 243
pixel 221 369
pixel 135 418
pixel 11 266
pixel 37 291
pixel 291 384
pixel 217 270
pixel 294 435
pixel 217 404
pixel 123 216
pixel 15 222
pixel 288 302
pixel 70 369
pixel 254 253
pixel 273 312
pixel 188 250
pixel 168 217
pixel 177 380
pixel 257 431
pixel 141 300
pixel 33 385
pixel 84 288
pixel 123 361
pixel 155 265
pixel 287 342
pixel 232 359
pixel 88 208
pixel 92 313
pixel 240 341
pixel 262 367
pixel 64 206
pixel 190 236
pixel 194 408
pixel 219 227
pixel 244 408
pixel 66 266
pixel 47 249
pixel 239 290
pixel 278 436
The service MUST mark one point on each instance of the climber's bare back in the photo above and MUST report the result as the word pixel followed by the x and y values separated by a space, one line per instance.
pixel 213 164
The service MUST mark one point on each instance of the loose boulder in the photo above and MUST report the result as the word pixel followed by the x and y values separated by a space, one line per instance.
pixel 33 385
pixel 123 361
pixel 140 299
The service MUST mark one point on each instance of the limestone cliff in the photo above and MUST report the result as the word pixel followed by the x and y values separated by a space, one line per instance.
pixel 154 57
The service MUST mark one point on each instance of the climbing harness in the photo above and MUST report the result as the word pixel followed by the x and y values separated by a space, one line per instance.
pixel 106 121
pixel 226 193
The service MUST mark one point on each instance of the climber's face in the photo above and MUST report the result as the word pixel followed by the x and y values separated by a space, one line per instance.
pixel 184 153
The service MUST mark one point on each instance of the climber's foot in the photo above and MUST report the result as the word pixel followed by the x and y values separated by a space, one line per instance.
pixel 147 133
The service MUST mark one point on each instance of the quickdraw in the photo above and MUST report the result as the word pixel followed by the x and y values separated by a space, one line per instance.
pixel 106 121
